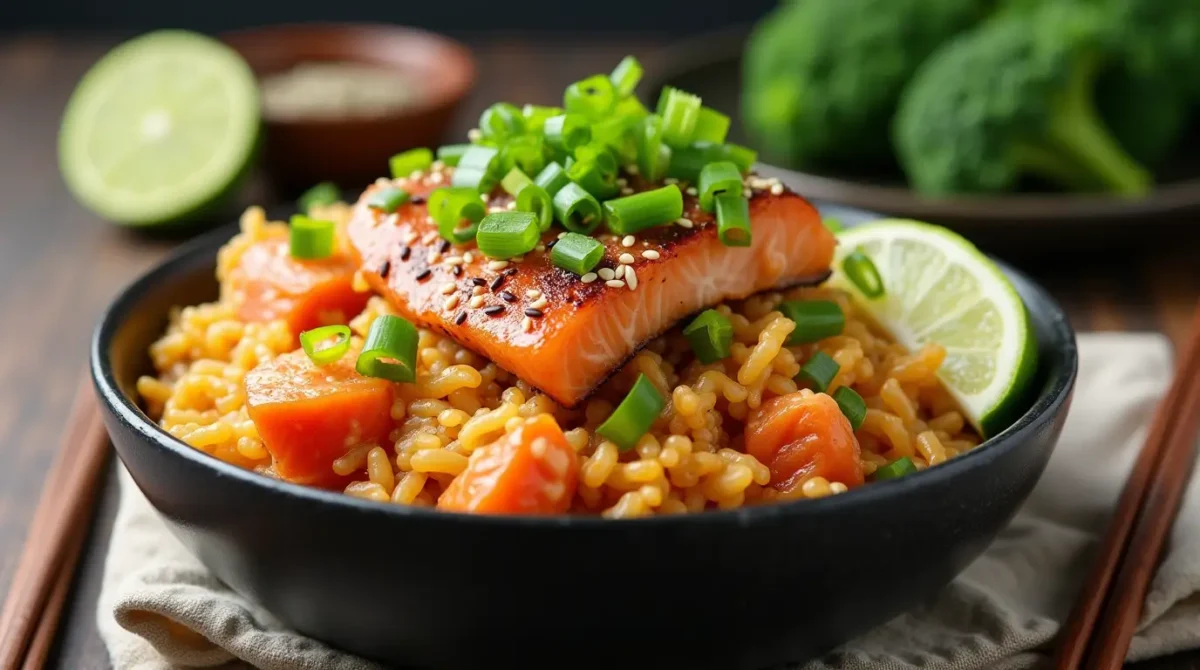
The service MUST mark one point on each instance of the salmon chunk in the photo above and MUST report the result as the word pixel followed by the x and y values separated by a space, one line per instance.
pixel 561 333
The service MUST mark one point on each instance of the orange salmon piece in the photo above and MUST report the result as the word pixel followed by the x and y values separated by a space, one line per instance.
pixel 800 437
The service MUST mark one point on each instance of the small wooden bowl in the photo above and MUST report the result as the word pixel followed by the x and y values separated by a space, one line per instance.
pixel 354 151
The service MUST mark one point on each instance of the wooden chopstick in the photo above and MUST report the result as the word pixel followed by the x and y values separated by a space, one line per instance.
pixel 47 626
pixel 1078 635
pixel 62 515
pixel 1122 610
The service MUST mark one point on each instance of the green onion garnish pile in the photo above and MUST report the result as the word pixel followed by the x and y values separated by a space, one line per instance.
pixel 570 165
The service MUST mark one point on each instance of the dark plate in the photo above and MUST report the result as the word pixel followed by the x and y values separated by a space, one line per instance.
pixel 739 589
pixel 710 66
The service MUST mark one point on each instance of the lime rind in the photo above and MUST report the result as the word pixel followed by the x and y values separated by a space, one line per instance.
pixel 193 95
pixel 940 288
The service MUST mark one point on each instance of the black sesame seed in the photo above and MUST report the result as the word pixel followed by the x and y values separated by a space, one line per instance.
pixel 493 310
pixel 551 243
pixel 457 270
pixel 424 275
pixel 405 252
pixel 497 282
pixel 479 281
pixel 533 312
pixel 508 297
pixel 444 247
pixel 458 320
pixel 510 272
pixel 417 200
pixel 385 268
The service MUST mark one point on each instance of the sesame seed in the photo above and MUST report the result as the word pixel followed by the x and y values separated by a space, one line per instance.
pixel 508 296
pixel 457 270
pixel 651 254
pixel 747 193
pixel 497 265
pixel 483 197
pixel 615 283
pixel 628 241
pixel 540 248
pixel 606 273
pixel 631 279
pixel 468 257
pixel 691 190
pixel 451 302
pixel 527 324
pixel 385 268
pixel 479 281
pixel 430 237
pixel 540 303
pixel 684 223
pixel 424 275
pixel 405 252
pixel 435 256
pixel 409 237
pixel 632 168
pixel 512 204
pixel 533 294
pixel 437 166
pixel 415 174
pixel 493 310
pixel 777 189
pixel 620 273
pixel 562 235
pixel 474 134
pixel 497 282
pixel 588 277
pixel 458 320
pixel 625 190
pixel 453 260
pixel 478 290
pixel 550 245
pixel 621 181
pixel 445 246
pixel 475 302
pixel 626 258
pixel 495 208
pixel 533 312
pixel 436 178
pixel 517 259
pixel 448 288
pixel 430 221
pixel 670 180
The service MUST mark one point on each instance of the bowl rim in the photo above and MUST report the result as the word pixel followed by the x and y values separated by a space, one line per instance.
pixel 465 65
pixel 1072 209
pixel 1050 399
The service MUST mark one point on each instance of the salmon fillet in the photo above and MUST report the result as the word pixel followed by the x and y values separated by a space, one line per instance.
pixel 550 328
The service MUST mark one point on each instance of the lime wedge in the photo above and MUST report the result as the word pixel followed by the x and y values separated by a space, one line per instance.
pixel 160 128
pixel 939 288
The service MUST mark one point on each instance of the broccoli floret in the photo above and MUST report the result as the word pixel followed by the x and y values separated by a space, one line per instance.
pixel 1014 97
pixel 1161 39
pixel 822 77
pixel 1147 115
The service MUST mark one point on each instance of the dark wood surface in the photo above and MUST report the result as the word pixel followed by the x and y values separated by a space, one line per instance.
pixel 60 265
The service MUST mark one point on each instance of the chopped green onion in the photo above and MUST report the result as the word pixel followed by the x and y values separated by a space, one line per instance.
pixel 634 416
pixel 533 198
pixel 595 169
pixel 833 224
pixel 311 239
pixel 325 193
pixel 388 199
pixel 686 162
pixel 862 272
pixel 452 153
pixel 576 253
pixel 536 115
pixel 679 111
pixel 814 319
pixel 567 131
pixel 733 220
pixel 626 75
pixel 527 152
pixel 592 97
pixel 653 155
pixel 514 181
pixel 720 178
pixel 711 336
pixel 477 168
pixel 321 352
pixel 632 213
pixel 711 126
pixel 576 209
pixel 450 207
pixel 619 134
pixel 630 106
pixel 413 160
pixel 818 372
pixel 896 469
pixel 501 121
pixel 852 405
pixel 552 178
pixel 390 351
pixel 506 234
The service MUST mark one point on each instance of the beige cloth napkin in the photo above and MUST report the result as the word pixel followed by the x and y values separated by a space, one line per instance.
pixel 159 608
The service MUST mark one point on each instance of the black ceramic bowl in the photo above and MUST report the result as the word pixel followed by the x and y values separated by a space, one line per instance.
pixel 739 589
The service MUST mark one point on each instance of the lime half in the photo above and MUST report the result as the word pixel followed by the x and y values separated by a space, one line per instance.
pixel 939 288
pixel 161 127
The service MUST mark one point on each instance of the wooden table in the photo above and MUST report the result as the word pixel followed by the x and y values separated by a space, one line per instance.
pixel 60 265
